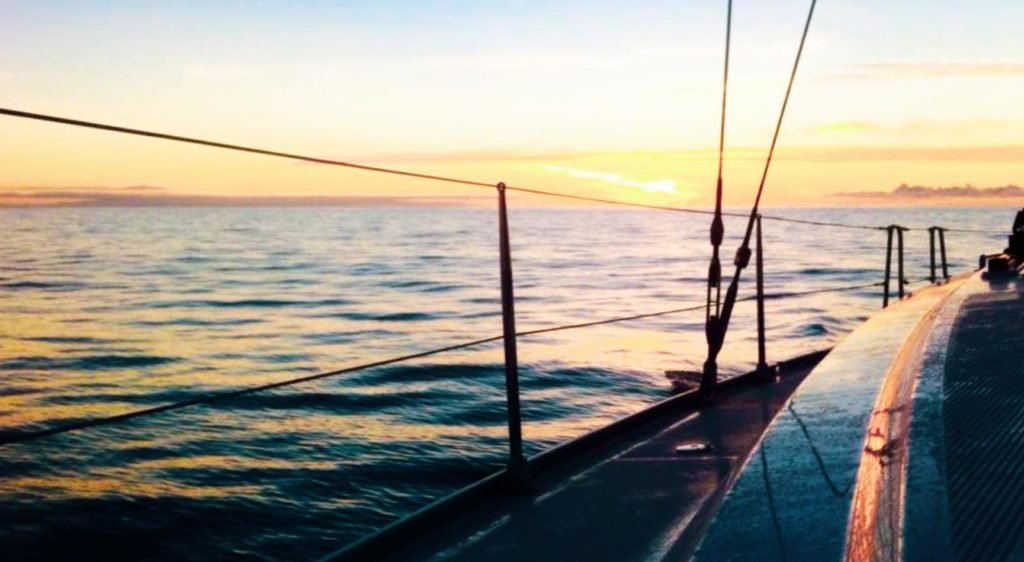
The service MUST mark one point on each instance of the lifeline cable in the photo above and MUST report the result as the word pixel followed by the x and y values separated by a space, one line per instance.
pixel 23 436
pixel 406 173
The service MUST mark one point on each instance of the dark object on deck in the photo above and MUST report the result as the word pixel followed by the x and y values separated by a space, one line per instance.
pixel 1013 256
pixel 683 381
pixel 1016 248
pixel 998 264
pixel 696 447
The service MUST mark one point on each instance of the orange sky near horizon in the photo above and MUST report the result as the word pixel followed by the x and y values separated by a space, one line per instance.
pixel 799 175
pixel 621 104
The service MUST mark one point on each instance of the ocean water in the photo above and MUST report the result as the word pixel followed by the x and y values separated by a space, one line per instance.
pixel 103 311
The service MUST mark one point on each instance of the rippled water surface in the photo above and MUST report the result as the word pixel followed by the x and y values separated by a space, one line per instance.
pixel 104 311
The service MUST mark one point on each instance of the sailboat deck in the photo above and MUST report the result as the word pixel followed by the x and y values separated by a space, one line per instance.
pixel 983 415
pixel 634 497
pixel 914 453
pixel 905 442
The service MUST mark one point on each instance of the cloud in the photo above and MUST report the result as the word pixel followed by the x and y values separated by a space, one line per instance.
pixel 919 128
pixel 931 69
pixel 656 186
pixel 968 191
pixel 476 156
pixel 996 153
pixel 833 153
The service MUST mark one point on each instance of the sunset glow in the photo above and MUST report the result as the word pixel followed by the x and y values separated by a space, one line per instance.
pixel 604 99
pixel 601 280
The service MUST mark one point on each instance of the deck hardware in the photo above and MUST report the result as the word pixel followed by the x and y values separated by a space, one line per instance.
pixel 888 265
pixel 942 248
pixel 932 231
pixel 931 253
pixel 899 246
pixel 1016 241
pixel 901 280
pixel 695 447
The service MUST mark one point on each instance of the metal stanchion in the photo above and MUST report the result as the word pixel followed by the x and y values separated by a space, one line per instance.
pixel 888 265
pixel 764 372
pixel 517 469
pixel 931 252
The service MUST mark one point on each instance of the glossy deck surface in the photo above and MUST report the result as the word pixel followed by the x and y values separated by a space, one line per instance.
pixel 905 443
pixel 633 498
pixel 795 497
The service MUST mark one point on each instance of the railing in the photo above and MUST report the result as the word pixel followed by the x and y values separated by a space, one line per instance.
pixel 518 465
pixel 901 281
pixel 509 334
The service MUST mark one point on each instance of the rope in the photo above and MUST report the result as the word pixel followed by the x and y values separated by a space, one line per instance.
pixel 236 147
pixel 614 202
pixel 21 437
pixel 772 510
pixel 774 296
pixel 782 115
pixel 821 223
pixel 406 173
pixel 610 321
pixel 836 490
pixel 969 230
pixel 210 398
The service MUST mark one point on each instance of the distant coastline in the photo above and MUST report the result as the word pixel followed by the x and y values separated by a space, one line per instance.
pixel 968 191
pixel 144 196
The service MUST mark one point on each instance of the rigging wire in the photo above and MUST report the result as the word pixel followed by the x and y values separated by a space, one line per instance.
pixel 778 124
pixel 13 437
pixel 836 490
pixel 720 326
pixel 236 147
pixel 406 173
pixel 717 230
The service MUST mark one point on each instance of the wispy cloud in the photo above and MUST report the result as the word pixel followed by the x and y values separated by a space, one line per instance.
pixel 656 186
pixel 995 153
pixel 930 128
pixel 931 69
pixel 832 153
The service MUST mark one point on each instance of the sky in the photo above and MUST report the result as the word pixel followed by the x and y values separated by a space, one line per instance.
pixel 602 98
